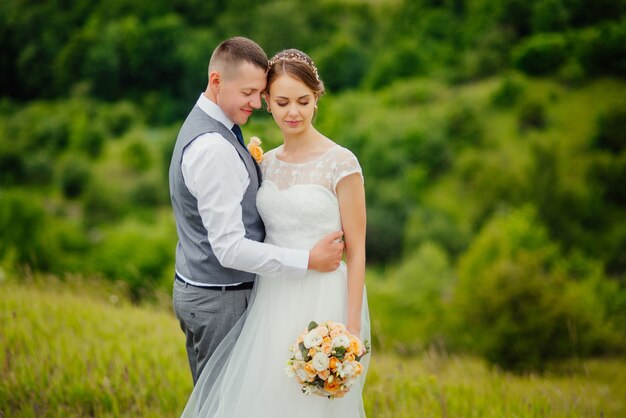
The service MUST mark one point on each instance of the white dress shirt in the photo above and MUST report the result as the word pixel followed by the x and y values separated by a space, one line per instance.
pixel 215 175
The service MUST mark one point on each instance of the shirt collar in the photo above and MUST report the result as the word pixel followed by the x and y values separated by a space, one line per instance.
pixel 214 111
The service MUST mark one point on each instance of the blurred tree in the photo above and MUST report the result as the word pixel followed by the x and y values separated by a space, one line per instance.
pixel 74 176
pixel 541 54
pixel 280 25
pixel 342 63
pixel 550 16
pixel 508 93
pixel 139 254
pixel 588 12
pixel 22 224
pixel 400 61
pixel 199 12
pixel 516 15
pixel 532 115
pixel 513 303
pixel 611 130
pixel 603 50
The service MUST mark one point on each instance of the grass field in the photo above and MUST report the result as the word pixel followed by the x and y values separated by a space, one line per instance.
pixel 78 349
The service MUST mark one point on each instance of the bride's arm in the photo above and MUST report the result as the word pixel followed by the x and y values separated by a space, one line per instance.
pixel 351 196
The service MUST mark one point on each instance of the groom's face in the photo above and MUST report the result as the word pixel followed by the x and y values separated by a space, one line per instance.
pixel 239 92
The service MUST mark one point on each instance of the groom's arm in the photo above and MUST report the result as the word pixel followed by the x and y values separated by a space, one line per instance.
pixel 215 176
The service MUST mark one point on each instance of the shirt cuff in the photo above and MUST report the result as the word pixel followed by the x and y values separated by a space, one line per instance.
pixel 296 262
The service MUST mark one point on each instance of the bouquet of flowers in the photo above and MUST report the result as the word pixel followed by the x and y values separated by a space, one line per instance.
pixel 325 359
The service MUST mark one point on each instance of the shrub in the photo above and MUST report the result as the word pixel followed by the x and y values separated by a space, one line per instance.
pixel 611 130
pixel 414 316
pixel 508 93
pixel 541 54
pixel 429 225
pixel 149 191
pixel 385 226
pixel 401 61
pixel 342 63
pixel 39 169
pixel 463 126
pixel 103 203
pixel 532 115
pixel 603 50
pixel 23 222
pixel 86 136
pixel 515 305
pixel 137 155
pixel 549 16
pixel 139 254
pixel 12 166
pixel 74 176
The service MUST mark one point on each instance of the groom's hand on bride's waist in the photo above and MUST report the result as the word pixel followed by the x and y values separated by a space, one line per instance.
pixel 326 255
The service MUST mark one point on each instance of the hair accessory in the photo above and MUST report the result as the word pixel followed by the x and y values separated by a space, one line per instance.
pixel 294 56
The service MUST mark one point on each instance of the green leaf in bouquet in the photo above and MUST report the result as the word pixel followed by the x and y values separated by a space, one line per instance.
pixel 304 351
pixel 312 325
pixel 339 352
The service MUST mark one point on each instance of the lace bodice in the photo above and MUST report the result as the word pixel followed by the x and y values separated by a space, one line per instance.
pixel 298 201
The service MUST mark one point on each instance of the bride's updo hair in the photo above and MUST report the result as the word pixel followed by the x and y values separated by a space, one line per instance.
pixel 298 65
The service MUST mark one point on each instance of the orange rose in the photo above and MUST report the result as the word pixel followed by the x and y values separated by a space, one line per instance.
pixel 332 387
pixel 312 352
pixel 358 368
pixel 349 357
pixel 254 146
pixel 309 369
pixel 323 374
pixel 333 363
pixel 355 347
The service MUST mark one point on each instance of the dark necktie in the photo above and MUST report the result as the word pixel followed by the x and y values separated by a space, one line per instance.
pixel 237 131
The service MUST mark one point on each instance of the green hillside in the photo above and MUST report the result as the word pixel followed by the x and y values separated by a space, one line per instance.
pixel 491 134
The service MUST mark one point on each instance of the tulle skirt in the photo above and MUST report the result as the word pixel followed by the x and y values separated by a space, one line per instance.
pixel 246 377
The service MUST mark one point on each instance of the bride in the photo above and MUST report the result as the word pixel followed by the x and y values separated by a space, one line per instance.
pixel 311 186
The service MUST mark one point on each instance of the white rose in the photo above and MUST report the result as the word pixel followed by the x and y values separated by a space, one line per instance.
pixel 347 370
pixel 341 341
pixel 289 371
pixel 313 339
pixel 321 330
pixel 320 362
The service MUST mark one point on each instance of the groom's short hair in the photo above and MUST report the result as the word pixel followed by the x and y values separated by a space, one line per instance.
pixel 234 51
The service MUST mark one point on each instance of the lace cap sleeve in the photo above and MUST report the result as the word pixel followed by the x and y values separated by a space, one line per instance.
pixel 346 164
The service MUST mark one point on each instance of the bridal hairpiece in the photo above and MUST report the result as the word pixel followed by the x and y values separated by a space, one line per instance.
pixel 294 56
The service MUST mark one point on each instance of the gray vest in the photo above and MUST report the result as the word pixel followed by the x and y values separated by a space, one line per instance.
pixel 195 259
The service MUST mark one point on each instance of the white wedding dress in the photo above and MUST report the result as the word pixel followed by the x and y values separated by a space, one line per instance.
pixel 246 377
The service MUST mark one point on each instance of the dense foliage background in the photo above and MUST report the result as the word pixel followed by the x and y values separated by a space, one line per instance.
pixel 492 135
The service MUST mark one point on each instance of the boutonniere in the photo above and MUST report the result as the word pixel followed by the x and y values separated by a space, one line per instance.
pixel 254 146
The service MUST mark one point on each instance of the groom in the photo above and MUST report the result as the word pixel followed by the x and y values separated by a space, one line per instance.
pixel 213 186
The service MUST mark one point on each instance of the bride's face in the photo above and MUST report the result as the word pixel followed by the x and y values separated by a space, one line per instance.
pixel 292 104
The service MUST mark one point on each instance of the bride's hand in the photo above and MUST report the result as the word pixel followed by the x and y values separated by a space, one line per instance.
pixel 326 255
pixel 354 330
